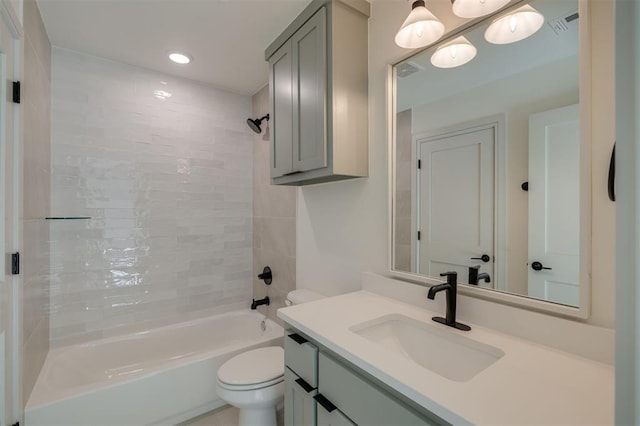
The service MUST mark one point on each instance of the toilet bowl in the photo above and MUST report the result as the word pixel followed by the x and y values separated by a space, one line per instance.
pixel 254 380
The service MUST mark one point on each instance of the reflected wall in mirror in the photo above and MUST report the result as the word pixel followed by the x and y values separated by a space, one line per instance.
pixel 487 162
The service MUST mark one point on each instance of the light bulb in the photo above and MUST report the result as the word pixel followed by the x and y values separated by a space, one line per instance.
pixel 513 23
pixel 454 51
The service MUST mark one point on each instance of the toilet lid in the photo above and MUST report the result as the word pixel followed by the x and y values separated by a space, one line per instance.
pixel 252 367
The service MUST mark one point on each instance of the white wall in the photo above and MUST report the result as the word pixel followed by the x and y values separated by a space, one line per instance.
pixel 342 226
pixel 164 168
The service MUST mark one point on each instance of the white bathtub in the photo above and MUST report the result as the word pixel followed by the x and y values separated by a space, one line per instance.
pixel 161 376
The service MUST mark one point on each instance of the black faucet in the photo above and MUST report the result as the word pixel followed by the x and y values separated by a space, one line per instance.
pixel 475 277
pixel 255 303
pixel 451 287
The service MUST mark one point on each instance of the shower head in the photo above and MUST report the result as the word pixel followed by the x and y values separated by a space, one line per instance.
pixel 255 124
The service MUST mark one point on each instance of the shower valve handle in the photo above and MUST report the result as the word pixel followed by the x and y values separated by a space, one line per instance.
pixel 266 275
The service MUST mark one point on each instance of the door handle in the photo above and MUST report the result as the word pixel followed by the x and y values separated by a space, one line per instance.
pixel 537 266
pixel 485 258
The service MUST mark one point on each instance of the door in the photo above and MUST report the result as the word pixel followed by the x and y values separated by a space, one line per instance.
pixel 10 234
pixel 309 94
pixel 299 405
pixel 456 203
pixel 554 205
pixel 281 75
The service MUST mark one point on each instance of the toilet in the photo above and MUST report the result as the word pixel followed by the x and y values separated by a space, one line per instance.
pixel 253 381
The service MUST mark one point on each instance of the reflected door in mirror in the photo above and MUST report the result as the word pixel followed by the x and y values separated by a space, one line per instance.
pixel 456 204
pixel 554 205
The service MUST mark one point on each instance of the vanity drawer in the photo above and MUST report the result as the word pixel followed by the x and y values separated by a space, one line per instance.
pixel 301 356
pixel 361 400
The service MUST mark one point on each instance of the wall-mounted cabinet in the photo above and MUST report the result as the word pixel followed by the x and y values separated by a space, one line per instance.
pixel 318 88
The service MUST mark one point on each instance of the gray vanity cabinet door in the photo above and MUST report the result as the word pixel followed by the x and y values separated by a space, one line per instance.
pixel 309 53
pixel 299 405
pixel 281 120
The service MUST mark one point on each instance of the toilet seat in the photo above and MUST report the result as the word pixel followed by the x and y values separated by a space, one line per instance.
pixel 255 369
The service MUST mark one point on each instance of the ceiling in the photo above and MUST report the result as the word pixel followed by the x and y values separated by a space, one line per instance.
pixel 225 38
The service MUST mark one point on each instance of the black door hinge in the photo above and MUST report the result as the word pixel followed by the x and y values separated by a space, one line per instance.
pixel 16 424
pixel 15 263
pixel 16 92
pixel 418 235
pixel 419 164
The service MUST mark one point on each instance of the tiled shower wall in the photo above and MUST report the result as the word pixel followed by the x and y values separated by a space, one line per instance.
pixel 163 168
pixel 274 221
pixel 37 183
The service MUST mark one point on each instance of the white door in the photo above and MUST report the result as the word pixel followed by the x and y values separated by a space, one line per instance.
pixel 554 205
pixel 456 203
pixel 10 236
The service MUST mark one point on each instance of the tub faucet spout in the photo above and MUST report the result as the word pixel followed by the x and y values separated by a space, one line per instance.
pixel 255 303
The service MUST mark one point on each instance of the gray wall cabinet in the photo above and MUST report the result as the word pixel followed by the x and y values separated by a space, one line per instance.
pixel 319 89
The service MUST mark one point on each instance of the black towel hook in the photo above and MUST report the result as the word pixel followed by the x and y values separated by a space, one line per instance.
pixel 612 175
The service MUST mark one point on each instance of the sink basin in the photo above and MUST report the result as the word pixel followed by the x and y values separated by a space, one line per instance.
pixel 432 346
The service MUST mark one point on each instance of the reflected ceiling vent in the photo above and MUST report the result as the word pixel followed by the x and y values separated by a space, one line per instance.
pixel 407 68
pixel 562 24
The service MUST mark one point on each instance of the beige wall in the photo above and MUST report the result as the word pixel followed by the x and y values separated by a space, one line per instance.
pixel 274 221
pixel 342 227
pixel 37 200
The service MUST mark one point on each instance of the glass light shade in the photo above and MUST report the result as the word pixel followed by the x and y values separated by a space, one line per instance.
pixel 515 26
pixel 420 28
pixel 453 54
pixel 476 8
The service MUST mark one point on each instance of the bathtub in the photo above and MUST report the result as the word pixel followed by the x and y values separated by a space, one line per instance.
pixel 161 376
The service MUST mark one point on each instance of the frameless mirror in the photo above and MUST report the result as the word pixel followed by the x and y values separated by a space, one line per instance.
pixel 487 162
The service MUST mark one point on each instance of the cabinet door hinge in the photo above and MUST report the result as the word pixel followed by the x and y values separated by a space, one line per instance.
pixel 418 235
pixel 16 424
pixel 419 164
pixel 15 263
pixel 16 92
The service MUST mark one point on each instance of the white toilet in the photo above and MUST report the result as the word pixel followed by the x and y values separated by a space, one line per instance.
pixel 254 380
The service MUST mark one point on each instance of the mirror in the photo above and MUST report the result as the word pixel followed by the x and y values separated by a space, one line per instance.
pixel 487 163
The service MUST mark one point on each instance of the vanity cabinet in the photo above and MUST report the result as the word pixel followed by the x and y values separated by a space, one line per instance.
pixel 318 90
pixel 335 393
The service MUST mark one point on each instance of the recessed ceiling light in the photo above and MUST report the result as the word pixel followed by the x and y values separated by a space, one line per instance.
pixel 179 58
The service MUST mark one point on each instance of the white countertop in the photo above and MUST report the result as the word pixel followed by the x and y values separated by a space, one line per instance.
pixel 530 384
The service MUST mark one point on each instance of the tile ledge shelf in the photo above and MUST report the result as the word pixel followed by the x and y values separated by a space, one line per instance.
pixel 67 217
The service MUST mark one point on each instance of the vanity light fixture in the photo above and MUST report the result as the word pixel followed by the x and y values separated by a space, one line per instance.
pixel 515 26
pixel 476 8
pixel 420 29
pixel 454 53
pixel 179 58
